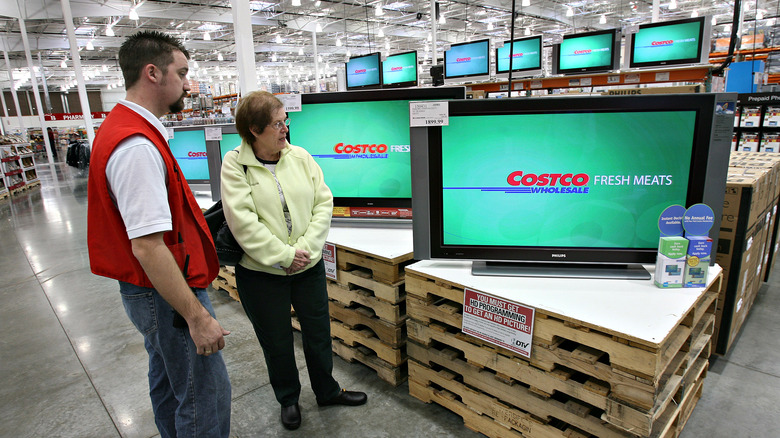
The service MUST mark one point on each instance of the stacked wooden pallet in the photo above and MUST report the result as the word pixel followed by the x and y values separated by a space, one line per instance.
pixel 368 312
pixel 580 381
pixel 226 280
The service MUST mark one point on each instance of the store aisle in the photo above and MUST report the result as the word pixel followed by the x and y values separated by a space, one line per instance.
pixel 74 366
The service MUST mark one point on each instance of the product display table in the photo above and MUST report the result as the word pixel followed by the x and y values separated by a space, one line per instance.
pixel 609 357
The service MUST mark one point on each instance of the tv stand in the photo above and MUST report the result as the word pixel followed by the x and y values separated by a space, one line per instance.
pixel 560 270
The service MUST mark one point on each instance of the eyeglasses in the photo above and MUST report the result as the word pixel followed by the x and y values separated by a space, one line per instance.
pixel 280 125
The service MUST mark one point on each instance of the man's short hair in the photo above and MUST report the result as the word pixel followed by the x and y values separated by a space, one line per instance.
pixel 147 47
pixel 255 110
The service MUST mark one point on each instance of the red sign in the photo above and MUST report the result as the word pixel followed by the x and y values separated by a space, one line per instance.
pixel 74 116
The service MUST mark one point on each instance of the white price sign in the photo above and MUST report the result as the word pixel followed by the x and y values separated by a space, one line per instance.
pixel 498 321
pixel 329 257
pixel 170 133
pixel 429 114
pixel 213 134
pixel 292 102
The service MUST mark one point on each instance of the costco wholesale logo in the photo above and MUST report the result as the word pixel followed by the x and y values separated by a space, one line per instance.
pixel 582 52
pixel 396 69
pixel 357 72
pixel 342 148
pixel 196 154
pixel 517 55
pixel 662 43
pixel 548 182
pixel 463 59
pixel 367 150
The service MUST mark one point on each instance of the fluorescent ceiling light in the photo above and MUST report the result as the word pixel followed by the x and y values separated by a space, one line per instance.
pixel 110 31
pixel 133 15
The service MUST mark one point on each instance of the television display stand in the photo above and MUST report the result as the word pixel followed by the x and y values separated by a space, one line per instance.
pixel 560 270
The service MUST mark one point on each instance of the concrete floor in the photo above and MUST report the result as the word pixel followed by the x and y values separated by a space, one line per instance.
pixel 76 367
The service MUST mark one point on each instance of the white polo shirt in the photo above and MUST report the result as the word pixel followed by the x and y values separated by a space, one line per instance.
pixel 136 180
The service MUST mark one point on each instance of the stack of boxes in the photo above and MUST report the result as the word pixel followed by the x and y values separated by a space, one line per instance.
pixel 747 242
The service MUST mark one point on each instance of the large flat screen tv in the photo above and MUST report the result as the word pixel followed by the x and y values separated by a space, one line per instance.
pixel 189 148
pixel 467 61
pixel 589 52
pixel 556 182
pixel 526 57
pixel 676 42
pixel 364 72
pixel 400 70
pixel 360 139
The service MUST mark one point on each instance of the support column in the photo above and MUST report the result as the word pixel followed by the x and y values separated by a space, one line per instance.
pixel 316 62
pixel 67 15
pixel 34 82
pixel 435 54
pixel 46 96
pixel 13 91
pixel 245 46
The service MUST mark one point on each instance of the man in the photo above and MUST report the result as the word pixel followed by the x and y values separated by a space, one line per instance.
pixel 145 230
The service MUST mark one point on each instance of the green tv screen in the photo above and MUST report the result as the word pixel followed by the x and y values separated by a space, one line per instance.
pixel 586 52
pixel 527 55
pixel 189 149
pixel 362 147
pixel 592 180
pixel 673 42
pixel 228 143
pixel 398 69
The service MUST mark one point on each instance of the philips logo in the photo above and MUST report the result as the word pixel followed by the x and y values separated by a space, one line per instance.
pixel 558 256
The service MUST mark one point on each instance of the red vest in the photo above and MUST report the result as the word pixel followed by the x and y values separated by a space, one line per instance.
pixel 110 252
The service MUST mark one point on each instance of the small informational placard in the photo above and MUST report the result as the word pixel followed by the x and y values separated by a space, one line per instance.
pixel 429 114
pixel 632 78
pixel 213 133
pixel 292 102
pixel 329 257
pixel 536 84
pixel 586 82
pixel 170 133
pixel 614 79
pixel 574 82
pixel 498 321
pixel 662 76
pixel 671 221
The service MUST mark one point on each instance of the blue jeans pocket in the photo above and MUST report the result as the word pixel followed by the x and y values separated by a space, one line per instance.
pixel 141 310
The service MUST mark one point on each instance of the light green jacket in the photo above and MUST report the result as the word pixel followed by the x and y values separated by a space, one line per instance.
pixel 254 213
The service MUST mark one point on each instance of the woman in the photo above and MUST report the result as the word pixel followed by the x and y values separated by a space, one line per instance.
pixel 279 209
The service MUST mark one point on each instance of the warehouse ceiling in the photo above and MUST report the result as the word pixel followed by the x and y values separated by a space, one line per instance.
pixel 283 31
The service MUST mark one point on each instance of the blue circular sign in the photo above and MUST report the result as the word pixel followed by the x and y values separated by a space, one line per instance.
pixel 671 221
pixel 698 220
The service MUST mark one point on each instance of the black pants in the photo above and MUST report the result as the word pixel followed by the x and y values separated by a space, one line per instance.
pixel 266 299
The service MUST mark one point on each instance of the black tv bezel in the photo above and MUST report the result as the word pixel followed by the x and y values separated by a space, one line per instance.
pixel 470 75
pixel 405 83
pixel 696 60
pixel 520 70
pixel 696 183
pixel 614 58
pixel 205 144
pixel 367 86
pixel 437 93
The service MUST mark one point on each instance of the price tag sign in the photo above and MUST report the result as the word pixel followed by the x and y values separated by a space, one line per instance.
pixel 662 76
pixel 614 79
pixel 632 78
pixel 213 133
pixel 329 257
pixel 292 102
pixel 170 133
pixel 586 82
pixel 423 114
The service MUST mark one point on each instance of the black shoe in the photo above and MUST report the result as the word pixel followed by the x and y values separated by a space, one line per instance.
pixel 291 417
pixel 346 398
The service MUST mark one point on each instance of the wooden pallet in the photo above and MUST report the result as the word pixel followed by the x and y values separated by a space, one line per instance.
pixel 393 313
pixel 469 395
pixel 390 374
pixel 359 278
pixel 389 271
pixel 226 280
pixel 357 316
pixel 635 372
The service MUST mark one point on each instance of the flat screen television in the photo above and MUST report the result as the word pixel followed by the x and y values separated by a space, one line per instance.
pixel 189 148
pixel 400 70
pixel 675 42
pixel 360 139
pixel 589 52
pixel 364 72
pixel 557 186
pixel 467 61
pixel 526 57
pixel 229 142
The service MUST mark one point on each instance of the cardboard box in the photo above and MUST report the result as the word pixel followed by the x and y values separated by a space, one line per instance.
pixel 743 198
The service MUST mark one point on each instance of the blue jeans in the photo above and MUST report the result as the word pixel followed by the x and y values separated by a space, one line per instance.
pixel 190 393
